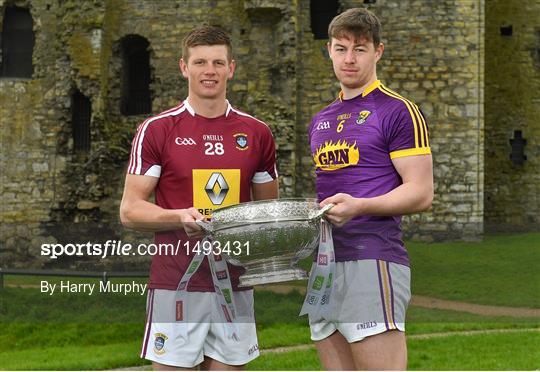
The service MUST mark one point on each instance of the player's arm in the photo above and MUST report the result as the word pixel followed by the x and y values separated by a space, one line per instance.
pixel 267 190
pixel 137 212
pixel 264 184
pixel 414 195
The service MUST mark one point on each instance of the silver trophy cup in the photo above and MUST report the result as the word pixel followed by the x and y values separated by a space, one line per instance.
pixel 267 237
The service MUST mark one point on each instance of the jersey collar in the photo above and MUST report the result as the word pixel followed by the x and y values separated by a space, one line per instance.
pixel 188 107
pixel 371 87
pixel 192 111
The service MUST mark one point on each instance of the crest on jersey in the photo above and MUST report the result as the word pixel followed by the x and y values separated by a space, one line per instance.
pixel 331 156
pixel 362 117
pixel 241 141
pixel 159 343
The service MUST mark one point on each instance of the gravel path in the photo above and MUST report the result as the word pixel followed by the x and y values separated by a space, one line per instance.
pixel 434 303
pixel 417 300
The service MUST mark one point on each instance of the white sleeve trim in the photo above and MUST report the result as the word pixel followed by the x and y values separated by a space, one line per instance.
pixel 154 171
pixel 262 177
pixel 136 152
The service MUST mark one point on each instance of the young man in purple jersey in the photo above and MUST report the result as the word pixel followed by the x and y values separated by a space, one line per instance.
pixel 373 162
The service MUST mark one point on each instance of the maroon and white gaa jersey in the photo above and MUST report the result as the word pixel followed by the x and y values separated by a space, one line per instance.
pixel 204 163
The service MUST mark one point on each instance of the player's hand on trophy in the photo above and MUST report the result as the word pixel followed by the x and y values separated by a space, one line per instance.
pixel 345 208
pixel 189 216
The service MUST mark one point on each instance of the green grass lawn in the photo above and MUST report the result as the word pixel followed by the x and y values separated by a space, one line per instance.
pixel 76 347
pixel 105 345
pixel 502 270
pixel 505 351
pixel 104 331
pixel 74 357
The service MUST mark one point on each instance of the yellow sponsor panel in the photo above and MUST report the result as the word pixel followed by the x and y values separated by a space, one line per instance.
pixel 332 156
pixel 215 188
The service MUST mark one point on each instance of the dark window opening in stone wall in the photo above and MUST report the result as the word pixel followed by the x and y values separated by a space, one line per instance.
pixel 535 52
pixel 518 143
pixel 17 43
pixel 136 98
pixel 322 13
pixel 81 115
pixel 506 30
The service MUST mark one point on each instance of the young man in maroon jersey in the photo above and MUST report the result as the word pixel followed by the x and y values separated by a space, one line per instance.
pixel 371 150
pixel 202 154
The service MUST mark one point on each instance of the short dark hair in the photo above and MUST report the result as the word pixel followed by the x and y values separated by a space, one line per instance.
pixel 358 22
pixel 206 35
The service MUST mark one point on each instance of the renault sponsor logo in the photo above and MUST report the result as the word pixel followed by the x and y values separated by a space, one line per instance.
pixel 184 141
pixel 213 188
pixel 323 125
pixel 216 188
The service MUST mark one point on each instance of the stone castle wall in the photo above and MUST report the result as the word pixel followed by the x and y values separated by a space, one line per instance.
pixel 434 56
pixel 512 197
pixel 52 194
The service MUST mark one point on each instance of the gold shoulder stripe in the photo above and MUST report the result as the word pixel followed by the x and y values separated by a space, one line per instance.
pixel 413 117
pixel 410 152
pixel 423 121
pixel 416 116
pixel 419 122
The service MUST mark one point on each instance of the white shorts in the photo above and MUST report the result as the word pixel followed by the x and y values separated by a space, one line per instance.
pixel 369 297
pixel 206 330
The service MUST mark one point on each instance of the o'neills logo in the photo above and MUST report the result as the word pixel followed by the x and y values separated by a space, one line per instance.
pixel 332 156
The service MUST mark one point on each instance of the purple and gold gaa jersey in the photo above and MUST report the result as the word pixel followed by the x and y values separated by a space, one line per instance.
pixel 353 143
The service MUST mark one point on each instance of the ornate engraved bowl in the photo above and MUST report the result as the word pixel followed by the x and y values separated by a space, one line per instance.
pixel 268 237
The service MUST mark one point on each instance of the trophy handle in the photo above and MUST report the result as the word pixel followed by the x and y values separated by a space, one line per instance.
pixel 321 211
pixel 207 227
